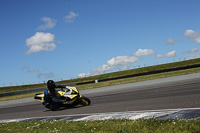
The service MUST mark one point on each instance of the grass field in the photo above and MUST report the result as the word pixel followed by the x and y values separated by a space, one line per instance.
pixel 152 125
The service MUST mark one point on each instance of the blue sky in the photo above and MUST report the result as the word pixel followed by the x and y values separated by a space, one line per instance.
pixel 62 39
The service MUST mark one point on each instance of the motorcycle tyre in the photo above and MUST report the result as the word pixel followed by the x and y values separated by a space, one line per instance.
pixel 84 101
pixel 54 106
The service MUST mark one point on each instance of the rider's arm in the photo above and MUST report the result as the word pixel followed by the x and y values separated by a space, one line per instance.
pixel 62 86
pixel 58 100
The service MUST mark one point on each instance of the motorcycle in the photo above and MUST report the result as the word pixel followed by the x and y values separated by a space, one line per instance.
pixel 70 95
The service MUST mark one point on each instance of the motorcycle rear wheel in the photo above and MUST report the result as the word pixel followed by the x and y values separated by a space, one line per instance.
pixel 54 106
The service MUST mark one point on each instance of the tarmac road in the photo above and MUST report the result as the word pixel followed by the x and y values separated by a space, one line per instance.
pixel 169 93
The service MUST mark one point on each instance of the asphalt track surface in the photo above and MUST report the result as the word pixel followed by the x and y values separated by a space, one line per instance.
pixel 172 94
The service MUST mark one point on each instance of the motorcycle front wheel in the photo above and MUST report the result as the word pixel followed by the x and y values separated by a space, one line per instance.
pixel 84 101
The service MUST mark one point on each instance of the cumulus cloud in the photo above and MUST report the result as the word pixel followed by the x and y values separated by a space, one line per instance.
pixel 40 42
pixel 193 35
pixel 48 23
pixel 45 75
pixel 81 75
pixel 169 54
pixel 102 69
pixel 170 41
pixel 193 57
pixel 144 52
pixel 192 50
pixel 119 62
pixel 160 56
pixel 71 17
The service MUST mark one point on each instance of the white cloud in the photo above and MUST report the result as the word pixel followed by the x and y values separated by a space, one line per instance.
pixel 122 60
pixel 192 50
pixel 40 42
pixel 193 57
pixel 193 35
pixel 45 75
pixel 81 75
pixel 144 52
pixel 71 17
pixel 170 41
pixel 169 54
pixel 48 23
pixel 119 62
pixel 160 56
pixel 102 69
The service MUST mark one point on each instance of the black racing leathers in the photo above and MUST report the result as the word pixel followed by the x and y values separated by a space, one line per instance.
pixel 52 99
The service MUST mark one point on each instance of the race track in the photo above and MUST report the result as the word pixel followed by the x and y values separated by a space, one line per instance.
pixel 172 94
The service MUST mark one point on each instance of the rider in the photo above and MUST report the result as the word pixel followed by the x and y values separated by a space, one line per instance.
pixel 51 97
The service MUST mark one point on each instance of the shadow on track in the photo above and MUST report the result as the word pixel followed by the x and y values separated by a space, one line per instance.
pixel 68 107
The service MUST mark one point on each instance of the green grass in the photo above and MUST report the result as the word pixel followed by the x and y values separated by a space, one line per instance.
pixel 108 75
pixel 152 125
pixel 21 96
pixel 23 87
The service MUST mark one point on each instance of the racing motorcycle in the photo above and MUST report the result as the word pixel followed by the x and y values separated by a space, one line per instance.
pixel 70 94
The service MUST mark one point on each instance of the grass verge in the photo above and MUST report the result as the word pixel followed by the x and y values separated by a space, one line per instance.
pixel 115 82
pixel 28 95
pixel 152 125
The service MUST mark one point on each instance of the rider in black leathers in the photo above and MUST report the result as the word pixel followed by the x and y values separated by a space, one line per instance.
pixel 51 97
